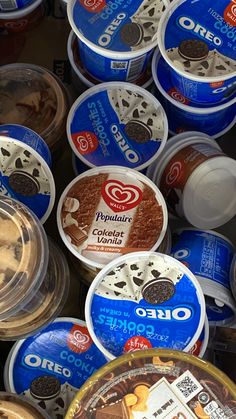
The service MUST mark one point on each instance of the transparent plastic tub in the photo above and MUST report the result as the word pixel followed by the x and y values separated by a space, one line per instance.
pixel 17 407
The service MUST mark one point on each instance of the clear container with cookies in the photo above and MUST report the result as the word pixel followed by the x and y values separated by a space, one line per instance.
pixel 33 275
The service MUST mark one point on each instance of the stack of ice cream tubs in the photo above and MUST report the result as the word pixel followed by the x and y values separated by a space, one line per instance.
pixel 194 72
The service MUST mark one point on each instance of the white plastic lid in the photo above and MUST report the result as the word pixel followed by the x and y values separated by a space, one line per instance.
pixel 209 197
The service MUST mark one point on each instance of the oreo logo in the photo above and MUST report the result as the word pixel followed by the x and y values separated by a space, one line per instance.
pixel 188 24
pixel 174 173
pixel 120 197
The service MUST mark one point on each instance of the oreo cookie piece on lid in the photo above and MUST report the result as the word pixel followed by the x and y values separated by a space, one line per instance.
pixel 50 367
pixel 25 169
pixel 144 300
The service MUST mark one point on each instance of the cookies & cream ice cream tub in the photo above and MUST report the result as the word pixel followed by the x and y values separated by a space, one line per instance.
pixel 109 211
pixel 197 180
pixel 22 20
pixel 34 277
pixel 152 383
pixel 82 79
pixel 50 367
pixel 144 300
pixel 186 115
pixel 116 37
pixel 198 41
pixel 16 407
pixel 117 123
pixel 25 172
pixel 35 98
pixel 208 255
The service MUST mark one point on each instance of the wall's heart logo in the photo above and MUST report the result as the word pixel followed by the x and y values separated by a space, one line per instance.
pixel 120 197
pixel 78 339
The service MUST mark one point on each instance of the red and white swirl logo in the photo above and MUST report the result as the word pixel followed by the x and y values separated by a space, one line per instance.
pixel 86 142
pixel 230 13
pixel 178 96
pixel 120 197
pixel 93 6
pixel 173 173
pixel 79 339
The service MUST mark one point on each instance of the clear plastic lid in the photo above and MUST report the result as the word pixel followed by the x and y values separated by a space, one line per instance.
pixel 23 256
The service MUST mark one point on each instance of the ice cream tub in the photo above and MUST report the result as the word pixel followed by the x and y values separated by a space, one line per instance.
pixel 50 367
pixel 198 41
pixel 127 213
pixel 116 39
pixel 233 276
pixel 34 277
pixel 208 255
pixel 197 180
pixel 144 300
pixel 24 19
pixel 80 77
pixel 117 123
pixel 25 169
pixel 170 384
pixel 35 98
pixel 13 406
pixel 8 6
pixel 184 114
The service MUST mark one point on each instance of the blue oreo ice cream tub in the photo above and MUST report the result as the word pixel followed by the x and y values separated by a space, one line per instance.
pixel 183 113
pixel 144 300
pixel 117 123
pixel 116 37
pixel 25 173
pixel 49 367
pixel 198 41
pixel 8 6
pixel 208 255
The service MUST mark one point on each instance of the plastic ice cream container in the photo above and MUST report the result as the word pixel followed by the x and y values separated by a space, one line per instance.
pixel 208 255
pixel 81 78
pixel 184 114
pixel 50 367
pixel 127 213
pixel 116 38
pixel 117 123
pixel 197 39
pixel 24 19
pixel 200 346
pixel 16 407
pixel 25 169
pixel 169 383
pixel 9 6
pixel 144 300
pixel 233 276
pixel 32 96
pixel 197 180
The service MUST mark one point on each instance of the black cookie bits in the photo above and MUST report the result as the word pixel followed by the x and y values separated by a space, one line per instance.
pixel 131 34
pixel 138 131
pixel 193 49
pixel 158 291
pixel 45 387
pixel 23 183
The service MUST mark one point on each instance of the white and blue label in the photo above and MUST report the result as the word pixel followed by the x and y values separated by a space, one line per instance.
pixel 100 134
pixel 206 255
pixel 217 313
pixel 10 5
pixel 63 350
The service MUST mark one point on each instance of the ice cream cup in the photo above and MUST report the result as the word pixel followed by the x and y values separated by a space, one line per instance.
pixel 144 300
pixel 184 114
pixel 23 19
pixel 208 255
pixel 197 180
pixel 34 97
pixel 28 370
pixel 116 40
pixel 109 211
pixel 81 78
pixel 117 123
pixel 13 406
pixel 25 169
pixel 13 5
pixel 198 43
pixel 233 276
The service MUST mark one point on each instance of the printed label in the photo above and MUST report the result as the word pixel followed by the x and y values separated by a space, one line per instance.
pixel 179 169
pixel 58 360
pixel 118 126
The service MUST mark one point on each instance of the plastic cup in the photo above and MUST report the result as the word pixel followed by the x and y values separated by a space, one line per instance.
pixel 116 41
pixel 144 300
pixel 24 19
pixel 198 43
pixel 184 114
pixel 35 98
pixel 126 213
pixel 197 180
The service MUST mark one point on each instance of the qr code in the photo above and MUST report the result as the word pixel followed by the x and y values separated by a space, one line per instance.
pixel 187 386
pixel 119 65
